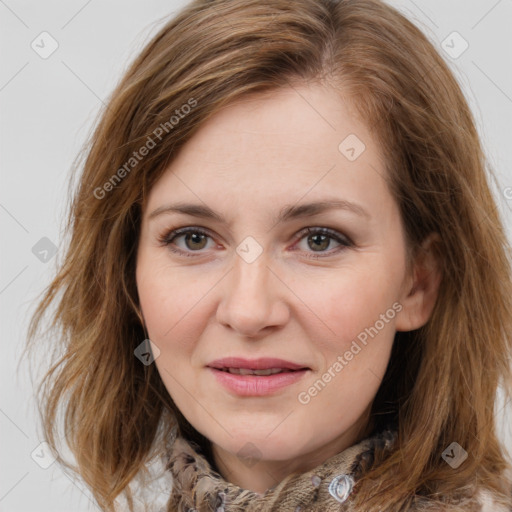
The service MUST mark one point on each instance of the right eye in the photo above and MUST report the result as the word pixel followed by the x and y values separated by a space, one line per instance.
pixel 192 239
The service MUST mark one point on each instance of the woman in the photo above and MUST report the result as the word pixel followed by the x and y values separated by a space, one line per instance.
pixel 290 201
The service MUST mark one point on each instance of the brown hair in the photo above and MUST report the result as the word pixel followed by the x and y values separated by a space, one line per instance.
pixel 442 379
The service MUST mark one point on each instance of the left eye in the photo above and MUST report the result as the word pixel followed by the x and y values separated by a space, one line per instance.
pixel 319 240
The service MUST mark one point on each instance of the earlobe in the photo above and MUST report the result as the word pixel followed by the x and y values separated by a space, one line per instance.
pixel 421 291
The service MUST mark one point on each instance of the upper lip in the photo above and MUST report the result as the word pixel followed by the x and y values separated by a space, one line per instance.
pixel 263 363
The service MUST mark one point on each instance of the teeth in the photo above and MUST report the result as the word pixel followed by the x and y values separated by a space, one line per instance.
pixel 243 371
pixel 247 371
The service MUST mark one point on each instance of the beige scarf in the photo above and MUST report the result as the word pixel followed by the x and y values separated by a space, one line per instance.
pixel 197 487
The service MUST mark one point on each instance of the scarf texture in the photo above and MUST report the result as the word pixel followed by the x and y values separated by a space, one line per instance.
pixel 329 487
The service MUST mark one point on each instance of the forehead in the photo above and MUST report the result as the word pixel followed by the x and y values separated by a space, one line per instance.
pixel 276 147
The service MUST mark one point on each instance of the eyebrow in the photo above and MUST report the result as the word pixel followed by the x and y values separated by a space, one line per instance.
pixel 287 213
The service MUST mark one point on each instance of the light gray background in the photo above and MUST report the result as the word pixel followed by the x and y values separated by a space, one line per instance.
pixel 48 107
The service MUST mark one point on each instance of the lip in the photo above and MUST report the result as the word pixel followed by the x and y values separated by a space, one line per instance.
pixel 256 385
pixel 263 363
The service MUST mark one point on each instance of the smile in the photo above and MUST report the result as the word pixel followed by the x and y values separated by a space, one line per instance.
pixel 255 377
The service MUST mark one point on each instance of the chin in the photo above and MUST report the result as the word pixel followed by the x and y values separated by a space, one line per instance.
pixel 277 446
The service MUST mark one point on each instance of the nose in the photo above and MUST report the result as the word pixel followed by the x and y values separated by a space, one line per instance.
pixel 253 300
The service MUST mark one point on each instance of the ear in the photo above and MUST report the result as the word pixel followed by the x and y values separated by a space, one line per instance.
pixel 421 287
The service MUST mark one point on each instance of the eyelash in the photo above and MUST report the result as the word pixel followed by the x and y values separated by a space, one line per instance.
pixel 169 237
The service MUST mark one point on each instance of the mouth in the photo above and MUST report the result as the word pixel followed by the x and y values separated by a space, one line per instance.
pixel 256 377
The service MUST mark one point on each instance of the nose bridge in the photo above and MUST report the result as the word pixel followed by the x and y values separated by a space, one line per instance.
pixel 256 276
pixel 249 284
pixel 251 298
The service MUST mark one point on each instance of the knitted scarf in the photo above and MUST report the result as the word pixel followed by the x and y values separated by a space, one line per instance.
pixel 198 488
pixel 329 487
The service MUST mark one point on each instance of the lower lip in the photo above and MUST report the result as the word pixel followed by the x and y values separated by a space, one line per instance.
pixel 257 385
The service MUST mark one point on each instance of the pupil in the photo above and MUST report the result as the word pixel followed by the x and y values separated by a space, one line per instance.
pixel 319 241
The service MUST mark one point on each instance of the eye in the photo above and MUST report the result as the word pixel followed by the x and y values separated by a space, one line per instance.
pixel 318 240
pixel 186 240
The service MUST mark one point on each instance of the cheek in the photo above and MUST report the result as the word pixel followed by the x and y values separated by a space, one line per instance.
pixel 174 315
pixel 170 300
pixel 357 326
pixel 350 301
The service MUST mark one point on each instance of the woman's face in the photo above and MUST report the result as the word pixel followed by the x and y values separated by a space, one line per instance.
pixel 293 250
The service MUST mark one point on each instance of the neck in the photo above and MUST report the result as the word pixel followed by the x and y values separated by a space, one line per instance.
pixel 261 475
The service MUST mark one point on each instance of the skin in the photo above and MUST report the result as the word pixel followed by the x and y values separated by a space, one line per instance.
pixel 246 163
